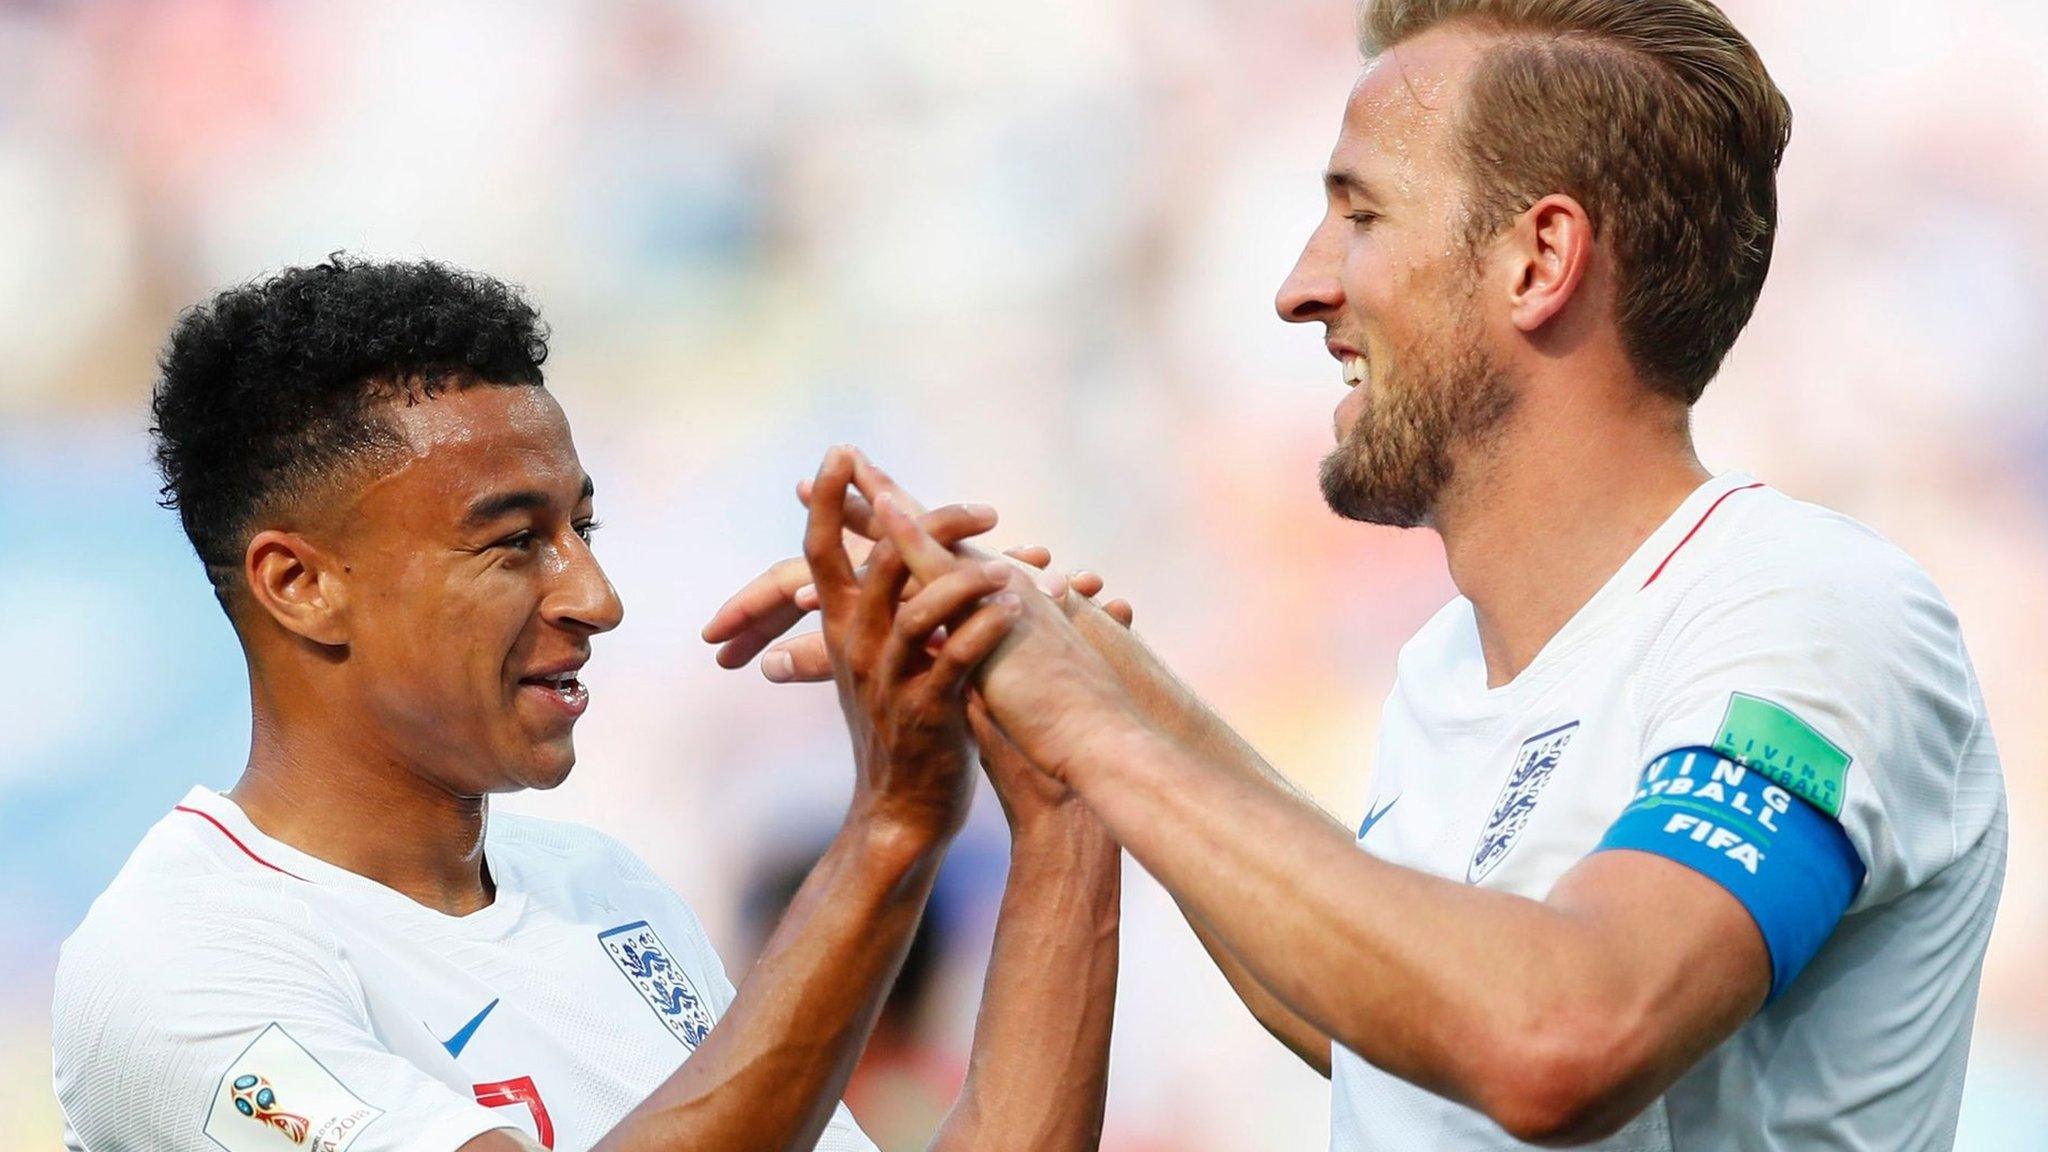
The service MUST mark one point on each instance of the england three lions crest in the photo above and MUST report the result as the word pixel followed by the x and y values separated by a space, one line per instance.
pixel 647 962
pixel 1534 764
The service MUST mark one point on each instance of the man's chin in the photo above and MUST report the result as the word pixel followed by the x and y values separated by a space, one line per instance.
pixel 1363 498
pixel 544 767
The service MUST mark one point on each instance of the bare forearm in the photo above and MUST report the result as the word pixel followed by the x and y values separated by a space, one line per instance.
pixel 1171 707
pixel 1039 1074
pixel 1174 710
pixel 772 1071
pixel 1299 1036
pixel 1403 968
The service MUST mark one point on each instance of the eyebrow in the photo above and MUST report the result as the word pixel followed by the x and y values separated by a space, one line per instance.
pixel 489 508
pixel 1343 180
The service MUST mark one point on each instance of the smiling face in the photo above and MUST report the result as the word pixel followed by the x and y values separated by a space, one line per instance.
pixel 472 594
pixel 1393 276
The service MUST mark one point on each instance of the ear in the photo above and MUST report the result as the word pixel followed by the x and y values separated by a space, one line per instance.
pixel 302 588
pixel 1552 250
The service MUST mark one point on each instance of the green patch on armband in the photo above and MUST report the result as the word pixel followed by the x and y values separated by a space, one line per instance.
pixel 1763 736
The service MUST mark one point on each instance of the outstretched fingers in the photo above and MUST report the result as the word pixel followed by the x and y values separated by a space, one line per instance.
pixel 945 600
pixel 860 515
pixel 758 613
pixel 801 659
pixel 824 545
pixel 949 524
pixel 928 558
pixel 971 643
pixel 1036 555
pixel 881 586
pixel 1090 585
pixel 873 484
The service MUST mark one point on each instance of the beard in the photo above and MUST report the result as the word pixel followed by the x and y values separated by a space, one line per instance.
pixel 1441 400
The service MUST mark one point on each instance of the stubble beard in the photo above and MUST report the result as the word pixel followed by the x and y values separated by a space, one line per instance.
pixel 1441 400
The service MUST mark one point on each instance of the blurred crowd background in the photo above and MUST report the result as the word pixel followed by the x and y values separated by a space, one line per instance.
pixel 1020 252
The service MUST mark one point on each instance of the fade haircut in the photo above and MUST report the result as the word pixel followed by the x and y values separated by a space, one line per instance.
pixel 1659 118
pixel 269 393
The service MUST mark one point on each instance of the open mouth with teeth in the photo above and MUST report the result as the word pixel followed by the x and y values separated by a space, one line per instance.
pixel 563 686
pixel 1357 391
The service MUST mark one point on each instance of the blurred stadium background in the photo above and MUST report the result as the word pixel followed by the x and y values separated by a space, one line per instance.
pixel 1023 253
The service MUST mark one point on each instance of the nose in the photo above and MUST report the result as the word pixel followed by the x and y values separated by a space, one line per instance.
pixel 1312 291
pixel 583 599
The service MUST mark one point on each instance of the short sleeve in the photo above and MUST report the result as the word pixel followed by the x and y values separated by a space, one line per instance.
pixel 225 1027
pixel 1840 677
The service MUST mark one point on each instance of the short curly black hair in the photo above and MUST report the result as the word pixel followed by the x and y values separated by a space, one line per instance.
pixel 268 391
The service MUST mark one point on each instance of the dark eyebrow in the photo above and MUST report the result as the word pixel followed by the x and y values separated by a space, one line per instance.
pixel 489 508
pixel 1342 180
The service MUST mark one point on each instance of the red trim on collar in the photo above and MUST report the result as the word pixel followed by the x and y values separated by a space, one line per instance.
pixel 237 840
pixel 1695 530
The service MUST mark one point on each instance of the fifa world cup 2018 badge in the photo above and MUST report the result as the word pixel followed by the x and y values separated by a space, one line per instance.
pixel 647 962
pixel 1534 763
pixel 255 1098
pixel 277 1095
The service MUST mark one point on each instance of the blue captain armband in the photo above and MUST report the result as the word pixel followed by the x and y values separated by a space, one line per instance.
pixel 1790 864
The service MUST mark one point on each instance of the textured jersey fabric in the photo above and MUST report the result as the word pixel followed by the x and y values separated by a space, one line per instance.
pixel 230 992
pixel 1796 642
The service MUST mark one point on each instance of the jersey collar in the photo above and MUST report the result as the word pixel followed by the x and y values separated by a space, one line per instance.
pixel 249 842
pixel 1684 525
pixel 1620 589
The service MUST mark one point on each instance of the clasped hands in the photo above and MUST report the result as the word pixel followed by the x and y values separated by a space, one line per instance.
pixel 932 642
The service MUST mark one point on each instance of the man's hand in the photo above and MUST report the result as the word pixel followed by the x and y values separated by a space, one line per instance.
pixel 1045 685
pixel 770 1073
pixel 767 607
pixel 901 693
pixel 1030 797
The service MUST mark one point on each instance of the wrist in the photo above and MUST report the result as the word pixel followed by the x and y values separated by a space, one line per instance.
pixel 1057 831
pixel 1087 740
pixel 899 836
pixel 1063 853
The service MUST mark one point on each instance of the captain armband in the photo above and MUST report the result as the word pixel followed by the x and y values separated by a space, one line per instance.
pixel 1790 864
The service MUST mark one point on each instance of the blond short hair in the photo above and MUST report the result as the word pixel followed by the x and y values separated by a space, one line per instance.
pixel 1660 119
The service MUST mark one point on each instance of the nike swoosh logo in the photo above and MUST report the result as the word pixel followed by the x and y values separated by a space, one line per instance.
pixel 1373 818
pixel 456 1043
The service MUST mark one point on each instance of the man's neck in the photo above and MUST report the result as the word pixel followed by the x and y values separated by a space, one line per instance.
pixel 321 791
pixel 1546 520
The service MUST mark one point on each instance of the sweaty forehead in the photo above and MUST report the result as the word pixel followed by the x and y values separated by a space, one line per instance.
pixel 1398 121
pixel 480 417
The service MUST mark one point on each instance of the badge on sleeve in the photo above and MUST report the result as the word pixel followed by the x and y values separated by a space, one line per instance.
pixel 1768 738
pixel 276 1096
pixel 647 962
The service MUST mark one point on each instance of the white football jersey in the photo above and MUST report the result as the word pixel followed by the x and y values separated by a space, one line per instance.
pixel 231 992
pixel 1804 648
